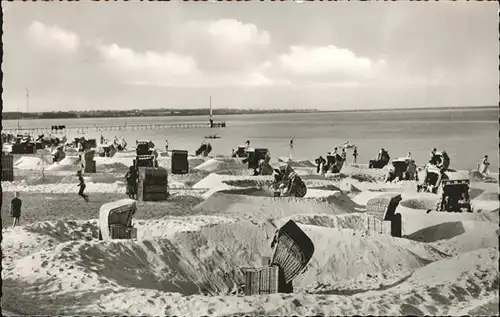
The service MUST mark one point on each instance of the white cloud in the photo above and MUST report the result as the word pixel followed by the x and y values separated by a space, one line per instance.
pixel 327 60
pixel 223 45
pixel 149 66
pixel 169 69
pixel 53 37
pixel 235 33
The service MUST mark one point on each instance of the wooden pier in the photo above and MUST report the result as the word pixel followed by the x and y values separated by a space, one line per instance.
pixel 126 127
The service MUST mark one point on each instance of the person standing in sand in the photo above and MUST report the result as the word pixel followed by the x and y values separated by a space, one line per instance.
pixel 132 177
pixel 355 155
pixel 166 147
pixel 82 186
pixel 291 150
pixel 15 209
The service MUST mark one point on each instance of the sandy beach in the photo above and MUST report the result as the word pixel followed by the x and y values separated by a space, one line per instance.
pixel 191 249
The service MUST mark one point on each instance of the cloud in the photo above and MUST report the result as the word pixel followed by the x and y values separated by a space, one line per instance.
pixel 328 62
pixel 223 45
pixel 169 69
pixel 149 66
pixel 235 33
pixel 53 37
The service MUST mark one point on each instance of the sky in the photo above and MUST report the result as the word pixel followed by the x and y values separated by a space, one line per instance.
pixel 265 55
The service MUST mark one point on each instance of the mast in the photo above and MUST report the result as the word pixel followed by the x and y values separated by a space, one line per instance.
pixel 210 106
pixel 27 107
pixel 27 100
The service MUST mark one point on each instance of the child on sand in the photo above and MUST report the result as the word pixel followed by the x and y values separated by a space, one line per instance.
pixel 82 187
pixel 15 209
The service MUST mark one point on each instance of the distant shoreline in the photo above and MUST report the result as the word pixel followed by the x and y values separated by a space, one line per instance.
pixel 143 113
pixel 204 112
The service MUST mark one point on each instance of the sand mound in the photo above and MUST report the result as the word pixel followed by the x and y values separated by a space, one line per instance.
pixel 303 163
pixel 167 227
pixel 477 235
pixel 208 260
pixel 441 231
pixel 475 192
pixel 258 208
pixel 219 164
pixel 425 201
pixel 110 167
pixel 212 181
pixel 31 163
pixel 69 163
pixel 488 197
pixel 67 230
pixel 355 221
pixel 19 242
pixel 62 187
pixel 478 177
pixel 443 292
pixel 216 181
pixel 248 183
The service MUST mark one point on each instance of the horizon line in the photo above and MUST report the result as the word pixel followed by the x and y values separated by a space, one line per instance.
pixel 260 109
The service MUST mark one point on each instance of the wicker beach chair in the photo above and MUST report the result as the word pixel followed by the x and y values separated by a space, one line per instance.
pixel 293 249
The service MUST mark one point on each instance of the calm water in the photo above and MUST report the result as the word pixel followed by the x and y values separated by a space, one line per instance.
pixel 466 134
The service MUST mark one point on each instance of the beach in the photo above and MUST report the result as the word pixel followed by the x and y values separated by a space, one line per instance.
pixel 191 249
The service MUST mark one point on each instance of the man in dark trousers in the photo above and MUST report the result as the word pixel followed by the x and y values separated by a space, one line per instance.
pixel 132 178
pixel 82 186
pixel 320 160
pixel 15 209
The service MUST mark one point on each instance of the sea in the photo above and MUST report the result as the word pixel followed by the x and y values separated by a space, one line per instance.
pixel 466 134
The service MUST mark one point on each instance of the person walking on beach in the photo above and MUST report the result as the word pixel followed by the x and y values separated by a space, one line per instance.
pixel 291 150
pixel 484 166
pixel 433 152
pixel 15 209
pixel 355 155
pixel 82 187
